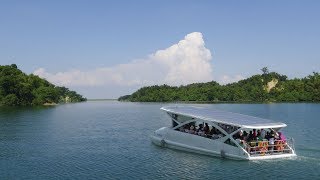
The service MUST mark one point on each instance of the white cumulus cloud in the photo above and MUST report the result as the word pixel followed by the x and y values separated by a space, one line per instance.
pixel 186 62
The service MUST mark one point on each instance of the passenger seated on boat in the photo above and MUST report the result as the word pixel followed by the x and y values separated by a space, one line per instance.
pixel 206 129
pixel 280 142
pixel 201 133
pixel 200 127
pixel 245 135
pixel 239 135
pixel 224 127
pixel 267 135
pixel 254 134
pixel 259 137
pixel 271 142
pixel 232 129
pixel 213 131
pixel 263 133
pixel 192 129
pixel 227 128
pixel 200 130
pixel 187 128
pixel 252 141
pixel 282 137
pixel 218 131
pixel 250 136
pixel 258 133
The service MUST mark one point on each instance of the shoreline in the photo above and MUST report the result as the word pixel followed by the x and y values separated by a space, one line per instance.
pixel 226 102
pixel 102 99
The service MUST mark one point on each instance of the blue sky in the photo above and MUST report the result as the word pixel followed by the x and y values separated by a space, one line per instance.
pixel 103 44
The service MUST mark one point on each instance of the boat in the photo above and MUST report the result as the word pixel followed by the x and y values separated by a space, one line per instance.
pixel 224 134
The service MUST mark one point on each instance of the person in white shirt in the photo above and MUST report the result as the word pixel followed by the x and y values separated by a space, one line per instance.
pixel 263 134
pixel 271 142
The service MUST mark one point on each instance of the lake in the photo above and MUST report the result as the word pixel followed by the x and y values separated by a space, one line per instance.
pixel 110 140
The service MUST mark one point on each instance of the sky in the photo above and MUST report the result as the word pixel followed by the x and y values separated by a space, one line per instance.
pixel 106 49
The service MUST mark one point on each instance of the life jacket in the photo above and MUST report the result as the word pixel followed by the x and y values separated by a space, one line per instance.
pixel 263 147
pixel 279 145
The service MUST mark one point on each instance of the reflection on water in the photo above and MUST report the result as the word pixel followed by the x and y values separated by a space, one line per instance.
pixel 103 140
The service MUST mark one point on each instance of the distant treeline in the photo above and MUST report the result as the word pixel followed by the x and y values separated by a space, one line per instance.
pixel 268 87
pixel 20 89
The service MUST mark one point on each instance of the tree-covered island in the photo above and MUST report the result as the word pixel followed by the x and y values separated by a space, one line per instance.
pixel 20 89
pixel 265 87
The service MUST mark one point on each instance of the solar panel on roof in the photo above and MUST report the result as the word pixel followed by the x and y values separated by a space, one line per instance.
pixel 225 117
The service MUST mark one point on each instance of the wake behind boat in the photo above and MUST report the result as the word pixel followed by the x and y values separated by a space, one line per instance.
pixel 219 133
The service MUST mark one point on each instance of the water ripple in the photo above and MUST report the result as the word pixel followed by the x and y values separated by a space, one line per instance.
pixel 110 140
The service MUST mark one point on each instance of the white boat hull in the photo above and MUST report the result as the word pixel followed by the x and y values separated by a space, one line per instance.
pixel 166 137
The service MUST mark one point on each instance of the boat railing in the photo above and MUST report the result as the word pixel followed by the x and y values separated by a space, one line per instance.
pixel 264 147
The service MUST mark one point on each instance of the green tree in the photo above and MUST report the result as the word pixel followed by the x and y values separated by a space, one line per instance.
pixel 19 89
pixel 45 95
pixel 251 89
pixel 10 100
pixel 265 70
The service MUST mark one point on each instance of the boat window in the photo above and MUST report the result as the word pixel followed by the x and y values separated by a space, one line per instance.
pixel 180 118
pixel 228 128
pixel 201 129
pixel 174 123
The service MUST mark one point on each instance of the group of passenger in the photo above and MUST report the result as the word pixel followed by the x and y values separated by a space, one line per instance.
pixel 228 128
pixel 257 140
pixel 202 130
pixel 261 140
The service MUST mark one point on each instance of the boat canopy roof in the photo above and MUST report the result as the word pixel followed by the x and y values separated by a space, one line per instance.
pixel 224 117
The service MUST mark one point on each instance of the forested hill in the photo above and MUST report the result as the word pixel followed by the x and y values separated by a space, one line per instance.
pixel 268 87
pixel 20 89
